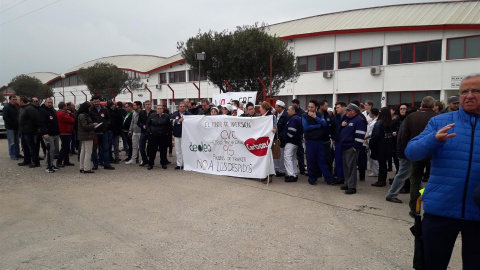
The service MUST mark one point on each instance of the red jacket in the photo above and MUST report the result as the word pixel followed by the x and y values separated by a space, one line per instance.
pixel 65 122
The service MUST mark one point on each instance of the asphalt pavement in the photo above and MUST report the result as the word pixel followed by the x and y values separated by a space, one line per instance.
pixel 131 218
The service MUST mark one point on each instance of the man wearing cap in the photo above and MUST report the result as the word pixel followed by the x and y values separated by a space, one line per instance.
pixel 177 118
pixel 449 198
pixel 414 124
pixel 281 123
pixel 352 136
pixel 453 104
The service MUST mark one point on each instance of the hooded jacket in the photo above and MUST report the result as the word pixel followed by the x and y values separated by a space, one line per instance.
pixel 28 120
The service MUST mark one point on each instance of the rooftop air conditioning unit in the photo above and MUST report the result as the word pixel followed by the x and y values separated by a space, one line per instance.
pixel 328 74
pixel 158 86
pixel 374 71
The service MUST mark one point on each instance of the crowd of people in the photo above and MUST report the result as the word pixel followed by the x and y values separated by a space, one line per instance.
pixel 430 144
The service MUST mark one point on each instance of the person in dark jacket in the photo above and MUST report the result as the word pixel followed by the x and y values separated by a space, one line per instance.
pixel 123 112
pixel 451 139
pixel 177 119
pixel 281 117
pixel 125 129
pixel 100 115
pixel 86 134
pixel 142 120
pixel 291 139
pixel 49 129
pixel 158 128
pixel 316 133
pixel 205 107
pixel 381 144
pixel 28 129
pixel 415 123
pixel 352 136
pixel 40 142
pixel 170 135
pixel 66 119
pixel 404 166
pixel 10 117
pixel 338 118
pixel 116 120
pixel 300 149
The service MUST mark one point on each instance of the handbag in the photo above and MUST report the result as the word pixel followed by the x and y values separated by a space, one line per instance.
pixel 276 153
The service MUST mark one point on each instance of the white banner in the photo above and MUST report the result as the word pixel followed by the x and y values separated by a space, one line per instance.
pixel 226 145
pixel 226 98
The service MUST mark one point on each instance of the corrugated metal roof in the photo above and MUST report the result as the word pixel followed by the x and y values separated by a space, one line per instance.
pixel 407 15
pixel 44 77
pixel 140 63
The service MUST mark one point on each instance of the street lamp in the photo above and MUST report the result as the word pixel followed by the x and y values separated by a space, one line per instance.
pixel 63 85
pixel 200 57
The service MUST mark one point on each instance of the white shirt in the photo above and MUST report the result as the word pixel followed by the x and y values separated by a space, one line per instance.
pixel 370 129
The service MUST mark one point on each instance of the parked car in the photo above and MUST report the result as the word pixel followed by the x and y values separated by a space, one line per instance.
pixel 3 130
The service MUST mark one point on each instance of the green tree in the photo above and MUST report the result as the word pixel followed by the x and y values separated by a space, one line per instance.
pixel 2 98
pixel 24 85
pixel 240 57
pixel 103 78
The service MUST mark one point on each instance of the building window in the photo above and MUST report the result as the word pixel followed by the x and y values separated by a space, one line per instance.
pixel 360 58
pixel 175 77
pixel 162 77
pixel 468 47
pixel 413 53
pixel 411 98
pixel 315 62
pixel 193 76
pixel 375 97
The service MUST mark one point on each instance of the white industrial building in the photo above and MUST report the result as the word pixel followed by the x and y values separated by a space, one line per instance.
pixel 388 54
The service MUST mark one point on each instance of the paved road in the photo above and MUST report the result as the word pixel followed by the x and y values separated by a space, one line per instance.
pixel 132 218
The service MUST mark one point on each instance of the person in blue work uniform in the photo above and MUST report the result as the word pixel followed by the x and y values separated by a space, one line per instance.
pixel 352 136
pixel 291 139
pixel 317 134
pixel 453 141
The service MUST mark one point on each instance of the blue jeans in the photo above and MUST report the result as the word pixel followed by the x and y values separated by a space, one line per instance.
pixel 103 151
pixel 13 143
pixel 315 152
pixel 402 175
pixel 143 145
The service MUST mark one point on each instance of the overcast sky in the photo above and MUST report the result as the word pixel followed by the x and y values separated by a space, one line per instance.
pixel 56 35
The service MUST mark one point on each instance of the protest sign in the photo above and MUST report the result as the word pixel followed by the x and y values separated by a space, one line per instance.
pixel 226 98
pixel 226 145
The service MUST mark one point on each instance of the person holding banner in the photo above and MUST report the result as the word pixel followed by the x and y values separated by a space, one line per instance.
pixel 158 129
pixel 214 111
pixel 266 110
pixel 292 138
pixel 177 118
pixel 250 111
pixel 205 107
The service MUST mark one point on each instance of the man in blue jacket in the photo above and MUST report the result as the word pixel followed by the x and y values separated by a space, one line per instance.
pixel 352 136
pixel 453 141
pixel 292 138
pixel 177 119
pixel 317 134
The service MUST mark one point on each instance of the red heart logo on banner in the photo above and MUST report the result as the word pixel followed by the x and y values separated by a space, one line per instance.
pixel 258 147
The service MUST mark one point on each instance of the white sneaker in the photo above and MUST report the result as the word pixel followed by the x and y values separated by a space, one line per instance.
pixel 131 161
pixel 372 175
